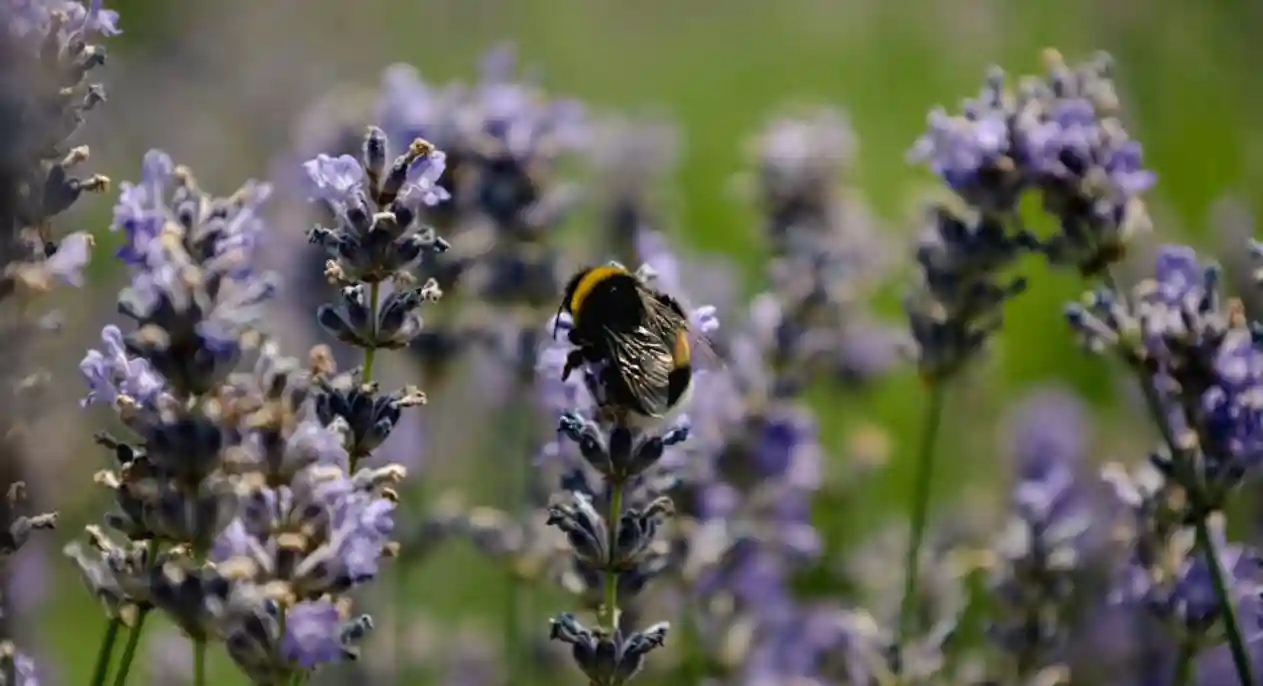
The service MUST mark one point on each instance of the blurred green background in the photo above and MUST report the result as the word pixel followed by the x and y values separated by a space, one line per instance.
pixel 237 73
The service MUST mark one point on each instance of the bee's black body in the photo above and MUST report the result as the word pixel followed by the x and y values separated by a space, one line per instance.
pixel 634 335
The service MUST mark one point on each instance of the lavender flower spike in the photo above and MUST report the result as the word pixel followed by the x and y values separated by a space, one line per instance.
pixel 613 529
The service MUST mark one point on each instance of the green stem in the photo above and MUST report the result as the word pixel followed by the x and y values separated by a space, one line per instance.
pixel 102 669
pixel 280 640
pixel 129 650
pixel 199 662
pixel 512 641
pixel 398 625
pixel 920 507
pixel 1184 664
pixel 693 665
pixel 371 353
pixel 1205 543
pixel 608 612
pixel 1232 627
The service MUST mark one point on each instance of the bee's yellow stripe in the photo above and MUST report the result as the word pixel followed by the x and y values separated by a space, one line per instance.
pixel 590 281
pixel 682 352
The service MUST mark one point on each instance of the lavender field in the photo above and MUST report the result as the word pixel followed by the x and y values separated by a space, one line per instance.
pixel 971 291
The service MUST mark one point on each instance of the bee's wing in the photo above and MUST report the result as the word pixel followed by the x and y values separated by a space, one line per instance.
pixel 643 360
pixel 668 317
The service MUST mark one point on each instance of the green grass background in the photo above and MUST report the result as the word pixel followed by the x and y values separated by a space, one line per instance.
pixel 1187 74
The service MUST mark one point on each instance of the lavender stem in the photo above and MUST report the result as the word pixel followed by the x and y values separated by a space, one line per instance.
pixel 371 353
pixel 609 605
pixel 129 650
pixel 1184 664
pixel 199 662
pixel 102 668
pixel 920 507
pixel 1240 659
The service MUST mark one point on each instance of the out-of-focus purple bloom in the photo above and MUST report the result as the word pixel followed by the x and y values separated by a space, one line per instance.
pixel 962 149
pixel 1043 557
pixel 71 257
pixel 28 583
pixel 39 17
pixel 170 659
pixel 1049 434
pixel 1179 589
pixel 24 669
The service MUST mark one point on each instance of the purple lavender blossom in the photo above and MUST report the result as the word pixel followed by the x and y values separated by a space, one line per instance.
pixel 1197 351
pixel 313 634
pixel 1044 556
pixel 20 665
pixel 377 239
pixel 112 373
pixel 1060 135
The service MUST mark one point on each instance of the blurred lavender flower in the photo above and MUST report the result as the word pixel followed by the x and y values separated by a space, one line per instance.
pixel 631 158
pixel 802 160
pixel 1041 563
pixel 48 57
pixel 875 649
pixel 16 669
pixel 45 58
pixel 170 660
pixel 1060 135
pixel 19 528
pixel 958 304
pixel 828 254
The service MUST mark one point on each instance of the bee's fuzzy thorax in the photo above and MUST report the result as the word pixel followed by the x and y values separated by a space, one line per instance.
pixel 585 282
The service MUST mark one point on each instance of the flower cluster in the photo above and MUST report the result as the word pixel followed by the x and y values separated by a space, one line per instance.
pixel 252 504
pixel 613 524
pixel 240 509
pixel 827 254
pixel 48 57
pixel 1060 136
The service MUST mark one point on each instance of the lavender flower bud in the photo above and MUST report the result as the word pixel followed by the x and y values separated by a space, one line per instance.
pixel 622 454
pixel 18 531
pixel 369 415
pixel 396 324
pixel 1041 558
pixel 377 237
pixel 607 660
pixel 586 530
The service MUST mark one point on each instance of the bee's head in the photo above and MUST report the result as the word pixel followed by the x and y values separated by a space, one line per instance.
pixel 567 296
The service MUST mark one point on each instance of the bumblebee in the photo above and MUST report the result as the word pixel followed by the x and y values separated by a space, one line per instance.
pixel 636 338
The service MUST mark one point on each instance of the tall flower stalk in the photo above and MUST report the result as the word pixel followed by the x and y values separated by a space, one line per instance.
pixel 611 522
pixel 243 511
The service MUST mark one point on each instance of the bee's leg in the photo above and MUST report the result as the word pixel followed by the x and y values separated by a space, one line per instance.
pixel 574 360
